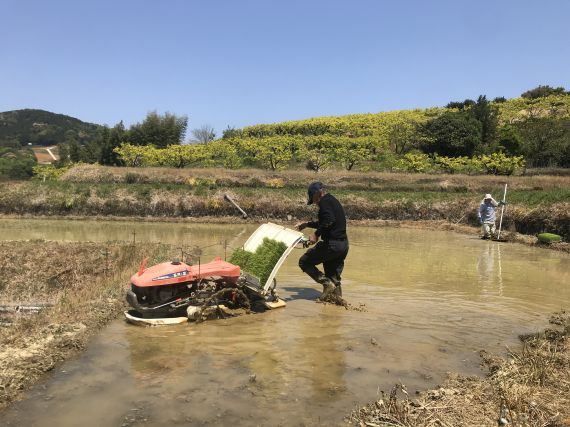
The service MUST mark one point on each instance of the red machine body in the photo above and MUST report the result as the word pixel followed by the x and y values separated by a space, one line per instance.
pixel 171 273
pixel 167 289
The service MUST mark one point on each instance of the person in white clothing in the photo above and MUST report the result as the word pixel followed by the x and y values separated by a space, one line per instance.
pixel 487 216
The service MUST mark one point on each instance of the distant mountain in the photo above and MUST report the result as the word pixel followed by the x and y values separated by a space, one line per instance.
pixel 40 127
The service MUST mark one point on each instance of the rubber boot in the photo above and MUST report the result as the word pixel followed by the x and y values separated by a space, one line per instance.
pixel 338 291
pixel 328 290
pixel 337 287
pixel 328 287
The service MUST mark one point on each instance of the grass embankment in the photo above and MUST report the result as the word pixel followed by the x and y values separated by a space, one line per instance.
pixel 530 388
pixel 537 203
pixel 85 283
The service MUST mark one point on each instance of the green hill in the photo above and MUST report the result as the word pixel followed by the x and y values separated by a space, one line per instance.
pixel 510 111
pixel 536 128
pixel 39 127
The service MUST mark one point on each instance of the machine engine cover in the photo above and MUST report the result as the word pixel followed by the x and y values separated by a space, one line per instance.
pixel 170 273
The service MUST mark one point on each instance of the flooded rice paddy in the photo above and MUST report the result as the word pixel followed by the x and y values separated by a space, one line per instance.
pixel 433 300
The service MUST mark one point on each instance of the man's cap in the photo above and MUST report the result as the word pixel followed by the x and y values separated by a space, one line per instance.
pixel 488 196
pixel 313 188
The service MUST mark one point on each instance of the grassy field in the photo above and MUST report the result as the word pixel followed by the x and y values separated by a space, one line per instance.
pixel 537 203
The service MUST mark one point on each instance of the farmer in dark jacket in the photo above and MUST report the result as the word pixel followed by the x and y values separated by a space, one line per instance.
pixel 332 248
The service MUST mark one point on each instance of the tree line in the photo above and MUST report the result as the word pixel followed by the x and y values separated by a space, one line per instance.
pixel 535 126
pixel 315 152
pixel 156 130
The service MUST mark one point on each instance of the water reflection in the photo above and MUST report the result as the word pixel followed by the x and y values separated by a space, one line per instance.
pixel 184 234
pixel 486 264
pixel 323 357
pixel 277 372
pixel 490 268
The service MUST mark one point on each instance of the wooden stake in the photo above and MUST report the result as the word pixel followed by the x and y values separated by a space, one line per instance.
pixel 502 211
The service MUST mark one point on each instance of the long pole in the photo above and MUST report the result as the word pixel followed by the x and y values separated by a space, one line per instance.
pixel 229 199
pixel 502 211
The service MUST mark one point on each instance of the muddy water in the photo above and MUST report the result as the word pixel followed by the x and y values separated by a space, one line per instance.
pixel 433 300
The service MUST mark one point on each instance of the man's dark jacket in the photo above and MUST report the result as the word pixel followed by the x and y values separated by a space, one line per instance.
pixel 331 224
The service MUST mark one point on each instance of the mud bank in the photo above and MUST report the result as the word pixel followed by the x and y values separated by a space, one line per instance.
pixel 83 283
pixel 529 388
pixel 35 199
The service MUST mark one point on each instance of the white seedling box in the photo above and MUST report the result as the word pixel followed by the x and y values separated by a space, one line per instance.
pixel 276 232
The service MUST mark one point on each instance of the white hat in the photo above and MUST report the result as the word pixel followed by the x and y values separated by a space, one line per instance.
pixel 488 196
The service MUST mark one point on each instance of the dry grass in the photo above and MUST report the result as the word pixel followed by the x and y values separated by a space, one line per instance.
pixel 536 203
pixel 530 388
pixel 85 282
pixel 339 179
pixel 167 200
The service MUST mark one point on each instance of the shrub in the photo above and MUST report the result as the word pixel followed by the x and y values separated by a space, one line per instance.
pixel 493 164
pixel 452 165
pixel 255 182
pixel 501 164
pixel 549 238
pixel 205 183
pixel 386 160
pixel 415 162
pixel 135 178
pixel 138 155
pixel 16 164
pixel 275 183
pixel 222 153
pixel 48 172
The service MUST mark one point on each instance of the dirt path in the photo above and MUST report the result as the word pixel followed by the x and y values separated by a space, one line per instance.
pixel 48 149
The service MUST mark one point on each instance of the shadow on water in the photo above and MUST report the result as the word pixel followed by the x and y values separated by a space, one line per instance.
pixel 300 293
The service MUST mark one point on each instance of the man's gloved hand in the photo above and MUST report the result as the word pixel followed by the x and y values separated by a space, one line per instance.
pixel 502 203
pixel 313 239
pixel 301 226
pixel 480 221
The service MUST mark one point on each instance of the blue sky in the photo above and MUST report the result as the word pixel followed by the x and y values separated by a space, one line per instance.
pixel 236 63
